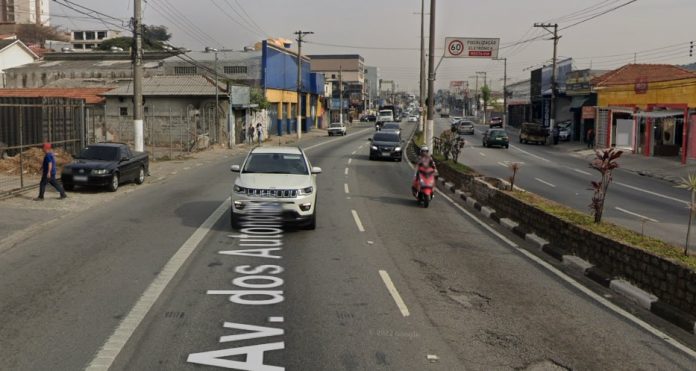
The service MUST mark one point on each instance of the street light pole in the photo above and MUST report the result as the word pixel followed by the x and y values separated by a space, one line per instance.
pixel 421 98
pixel 300 37
pixel 431 77
pixel 505 107
pixel 484 102
pixel 217 87
pixel 552 105
pixel 138 77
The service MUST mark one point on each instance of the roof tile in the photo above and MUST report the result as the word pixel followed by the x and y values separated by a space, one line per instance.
pixel 632 73
pixel 90 95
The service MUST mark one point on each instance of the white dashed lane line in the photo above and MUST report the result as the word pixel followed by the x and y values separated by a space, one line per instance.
pixel 358 223
pixel 394 293
pixel 581 171
pixel 545 182
pixel 503 164
pixel 482 154
pixel 346 172
pixel 530 154
pixel 636 215
pixel 651 193
pixel 350 160
pixel 345 188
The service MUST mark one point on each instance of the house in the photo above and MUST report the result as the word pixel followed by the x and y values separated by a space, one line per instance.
pixel 14 53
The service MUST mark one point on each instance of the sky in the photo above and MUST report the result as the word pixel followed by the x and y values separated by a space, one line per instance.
pixel 387 32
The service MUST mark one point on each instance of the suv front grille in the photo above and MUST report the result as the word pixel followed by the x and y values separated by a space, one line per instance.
pixel 277 193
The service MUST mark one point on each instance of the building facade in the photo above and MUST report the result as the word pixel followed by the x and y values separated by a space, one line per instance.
pixel 24 12
pixel 519 109
pixel 372 77
pixel 350 69
pixel 87 40
pixel 14 53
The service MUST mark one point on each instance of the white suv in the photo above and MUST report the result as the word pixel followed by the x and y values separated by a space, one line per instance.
pixel 279 175
pixel 337 128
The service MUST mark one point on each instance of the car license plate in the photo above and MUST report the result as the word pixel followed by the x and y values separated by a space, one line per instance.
pixel 80 178
pixel 386 154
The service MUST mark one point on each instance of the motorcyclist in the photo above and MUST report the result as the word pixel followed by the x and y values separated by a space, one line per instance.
pixel 424 160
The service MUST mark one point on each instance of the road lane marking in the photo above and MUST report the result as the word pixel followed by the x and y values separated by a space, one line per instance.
pixel 357 221
pixel 482 154
pixel 187 168
pixel 118 339
pixel 350 160
pixel 545 182
pixel 530 154
pixel 394 293
pixel 333 140
pixel 345 188
pixel 581 171
pixel 161 178
pixel 352 153
pixel 652 193
pixel 503 164
pixel 346 171
pixel 637 215
pixel 276 319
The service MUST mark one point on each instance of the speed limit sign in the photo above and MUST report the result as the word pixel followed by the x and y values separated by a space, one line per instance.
pixel 455 47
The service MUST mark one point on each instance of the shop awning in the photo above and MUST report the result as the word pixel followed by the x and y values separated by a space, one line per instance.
pixel 578 102
pixel 615 109
pixel 659 114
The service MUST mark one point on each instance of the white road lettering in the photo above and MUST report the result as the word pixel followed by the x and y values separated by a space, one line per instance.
pixel 254 357
pixel 257 253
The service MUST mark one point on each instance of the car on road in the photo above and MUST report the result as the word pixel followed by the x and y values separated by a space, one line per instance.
pixel 412 118
pixel 496 122
pixel 533 133
pixel 280 176
pixel 105 165
pixel 387 145
pixel 336 128
pixel 392 126
pixel 496 137
pixel 385 115
pixel 564 131
pixel 465 127
pixel 368 118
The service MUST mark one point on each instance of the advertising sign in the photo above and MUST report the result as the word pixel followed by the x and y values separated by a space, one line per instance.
pixel 463 47
pixel 588 113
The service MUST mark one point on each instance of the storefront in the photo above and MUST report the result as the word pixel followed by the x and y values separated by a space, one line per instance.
pixel 647 109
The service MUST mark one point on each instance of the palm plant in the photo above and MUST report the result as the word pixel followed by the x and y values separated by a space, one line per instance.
pixel 605 162
pixel 689 184
pixel 514 167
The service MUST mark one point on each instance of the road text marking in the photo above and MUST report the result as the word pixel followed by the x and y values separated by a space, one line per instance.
pixel 394 293
pixel 545 182
pixel 637 215
pixel 357 221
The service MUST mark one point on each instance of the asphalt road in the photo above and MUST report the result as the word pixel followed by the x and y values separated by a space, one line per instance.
pixel 643 204
pixel 379 285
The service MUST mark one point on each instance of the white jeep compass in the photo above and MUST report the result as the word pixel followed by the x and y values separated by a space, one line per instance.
pixel 278 175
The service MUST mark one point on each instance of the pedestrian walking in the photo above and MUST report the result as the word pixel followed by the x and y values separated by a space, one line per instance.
pixel 259 132
pixel 48 174
pixel 590 138
pixel 249 134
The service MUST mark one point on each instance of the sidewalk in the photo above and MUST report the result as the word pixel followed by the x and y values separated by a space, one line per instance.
pixel 20 216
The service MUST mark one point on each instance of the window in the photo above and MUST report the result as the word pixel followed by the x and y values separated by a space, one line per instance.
pixel 89 35
pixel 235 69
pixel 77 46
pixel 187 70
pixel 101 35
pixel 123 111
pixel 78 35
pixel 146 109
pixel 89 46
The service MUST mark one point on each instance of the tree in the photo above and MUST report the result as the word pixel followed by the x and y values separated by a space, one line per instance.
pixel 514 167
pixel 124 43
pixel 154 38
pixel 156 33
pixel 605 162
pixel 486 96
pixel 38 34
pixel 689 184
pixel 257 97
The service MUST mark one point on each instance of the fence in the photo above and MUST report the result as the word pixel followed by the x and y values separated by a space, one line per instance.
pixel 25 124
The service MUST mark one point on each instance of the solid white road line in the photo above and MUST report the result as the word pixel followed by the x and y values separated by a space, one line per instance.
pixel 545 182
pixel 350 160
pixel 346 171
pixel 636 214
pixel 652 193
pixel 118 339
pixel 394 293
pixel 530 154
pixel 345 188
pixel 357 221
pixel 581 171
pixel 594 296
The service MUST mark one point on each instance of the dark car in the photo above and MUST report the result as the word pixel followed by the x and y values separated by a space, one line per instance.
pixel 368 118
pixel 105 165
pixel 393 126
pixel 465 127
pixel 386 145
pixel 496 122
pixel 496 137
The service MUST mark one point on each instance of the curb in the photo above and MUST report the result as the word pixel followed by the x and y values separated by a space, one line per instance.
pixel 624 288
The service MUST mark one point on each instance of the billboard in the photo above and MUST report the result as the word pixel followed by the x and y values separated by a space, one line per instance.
pixel 466 47
pixel 458 87
pixel 563 68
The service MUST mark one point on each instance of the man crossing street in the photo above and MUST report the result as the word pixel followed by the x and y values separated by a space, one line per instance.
pixel 48 174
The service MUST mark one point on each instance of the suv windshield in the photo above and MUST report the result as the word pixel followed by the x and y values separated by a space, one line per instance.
pixel 276 163
pixel 386 137
pixel 335 125
pixel 99 153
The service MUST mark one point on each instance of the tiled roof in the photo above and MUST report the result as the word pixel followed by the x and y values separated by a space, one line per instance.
pixel 90 95
pixel 170 85
pixel 632 73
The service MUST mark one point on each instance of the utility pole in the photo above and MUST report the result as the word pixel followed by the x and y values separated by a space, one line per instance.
pixel 138 76
pixel 300 37
pixel 484 102
pixel 217 86
pixel 421 98
pixel 505 108
pixel 552 108
pixel 431 77
pixel 476 98
pixel 340 94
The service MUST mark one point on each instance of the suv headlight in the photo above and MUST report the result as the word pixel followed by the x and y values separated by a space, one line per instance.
pixel 305 191
pixel 374 148
pixel 397 149
pixel 239 189
pixel 100 171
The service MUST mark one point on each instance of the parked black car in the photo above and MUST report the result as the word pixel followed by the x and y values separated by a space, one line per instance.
pixel 496 137
pixel 387 145
pixel 105 165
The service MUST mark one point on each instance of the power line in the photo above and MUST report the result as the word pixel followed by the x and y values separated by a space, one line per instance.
pixel 246 17
pixel 175 11
pixel 599 14
pixel 233 19
pixel 169 15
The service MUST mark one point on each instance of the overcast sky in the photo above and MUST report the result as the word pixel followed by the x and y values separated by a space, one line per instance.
pixel 659 31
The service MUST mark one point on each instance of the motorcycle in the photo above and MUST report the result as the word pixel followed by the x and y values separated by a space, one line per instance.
pixel 423 186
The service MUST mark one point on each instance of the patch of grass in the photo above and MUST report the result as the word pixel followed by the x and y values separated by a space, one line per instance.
pixel 613 231
pixel 455 165
pixel 419 139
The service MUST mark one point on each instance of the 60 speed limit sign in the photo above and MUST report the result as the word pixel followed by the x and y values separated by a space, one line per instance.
pixel 467 47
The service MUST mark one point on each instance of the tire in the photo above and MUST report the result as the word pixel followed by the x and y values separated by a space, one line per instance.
pixel 312 224
pixel 113 187
pixel 140 179
pixel 68 187
pixel 426 202
pixel 330 134
pixel 507 146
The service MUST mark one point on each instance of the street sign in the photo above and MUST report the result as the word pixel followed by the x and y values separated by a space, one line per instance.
pixel 463 47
